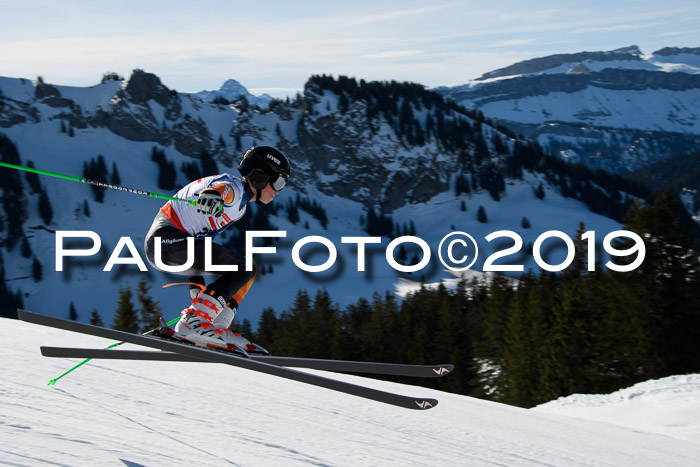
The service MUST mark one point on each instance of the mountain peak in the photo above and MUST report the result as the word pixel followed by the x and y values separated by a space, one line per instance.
pixel 231 86
pixel 143 86
pixel 233 90
pixel 632 49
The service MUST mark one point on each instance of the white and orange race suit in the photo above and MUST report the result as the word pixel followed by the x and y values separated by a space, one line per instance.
pixel 185 217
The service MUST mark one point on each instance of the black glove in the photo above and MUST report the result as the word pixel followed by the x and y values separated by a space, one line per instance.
pixel 209 202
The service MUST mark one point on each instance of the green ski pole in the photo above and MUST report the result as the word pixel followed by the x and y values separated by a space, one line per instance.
pixel 103 185
pixel 95 183
pixel 116 344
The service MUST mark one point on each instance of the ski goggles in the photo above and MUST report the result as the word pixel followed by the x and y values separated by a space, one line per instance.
pixel 278 182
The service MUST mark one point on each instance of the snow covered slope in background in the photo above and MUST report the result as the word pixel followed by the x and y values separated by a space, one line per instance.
pixel 618 89
pixel 157 413
pixel 668 406
pixel 619 110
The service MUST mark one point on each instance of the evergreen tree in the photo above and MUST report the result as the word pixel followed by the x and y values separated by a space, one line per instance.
pixel 25 249
pixel 539 191
pixel 292 326
pixel 246 328
pixel 667 279
pixel 11 185
pixel 292 213
pixel 522 337
pixel 114 178
pixel 11 301
pixel 33 179
pixel 267 328
pixel 72 314
pixel 490 344
pixel 343 103
pixel 45 209
pixel 208 164
pixel 481 215
pixel 402 255
pixel 191 170
pixel 95 318
pixel 167 174
pixel 126 318
pixel 317 323
pixel 149 309
pixel 624 353
pixel 96 169
pixel 37 270
pixel 568 350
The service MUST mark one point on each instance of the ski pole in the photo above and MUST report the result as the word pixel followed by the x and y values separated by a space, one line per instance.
pixel 95 183
pixel 116 344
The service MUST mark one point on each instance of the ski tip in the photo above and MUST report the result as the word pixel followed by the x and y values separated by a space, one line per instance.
pixel 425 404
pixel 442 370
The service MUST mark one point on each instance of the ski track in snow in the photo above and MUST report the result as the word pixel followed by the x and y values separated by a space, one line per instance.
pixel 117 413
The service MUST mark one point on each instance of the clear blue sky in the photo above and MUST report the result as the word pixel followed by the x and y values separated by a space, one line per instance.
pixel 274 46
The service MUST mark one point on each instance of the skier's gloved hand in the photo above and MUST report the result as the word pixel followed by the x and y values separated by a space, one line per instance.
pixel 209 202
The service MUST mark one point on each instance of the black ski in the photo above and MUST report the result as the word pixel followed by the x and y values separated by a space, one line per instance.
pixel 342 366
pixel 220 357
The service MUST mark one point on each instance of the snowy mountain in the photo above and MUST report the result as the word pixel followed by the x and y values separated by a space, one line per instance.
pixel 146 413
pixel 232 90
pixel 619 110
pixel 358 150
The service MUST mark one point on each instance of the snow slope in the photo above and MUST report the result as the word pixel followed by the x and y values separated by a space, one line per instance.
pixel 617 110
pixel 150 413
pixel 648 109
pixel 667 406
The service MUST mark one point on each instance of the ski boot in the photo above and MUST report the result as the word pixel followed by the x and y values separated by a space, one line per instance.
pixel 205 323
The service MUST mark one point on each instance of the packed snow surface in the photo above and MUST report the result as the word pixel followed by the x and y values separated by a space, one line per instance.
pixel 668 406
pixel 165 413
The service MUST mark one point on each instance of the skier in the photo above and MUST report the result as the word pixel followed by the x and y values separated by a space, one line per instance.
pixel 221 201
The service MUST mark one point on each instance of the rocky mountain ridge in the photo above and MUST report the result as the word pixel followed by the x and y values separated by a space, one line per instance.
pixel 339 152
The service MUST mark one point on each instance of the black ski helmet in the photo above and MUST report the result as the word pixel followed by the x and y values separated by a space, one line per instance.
pixel 265 164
